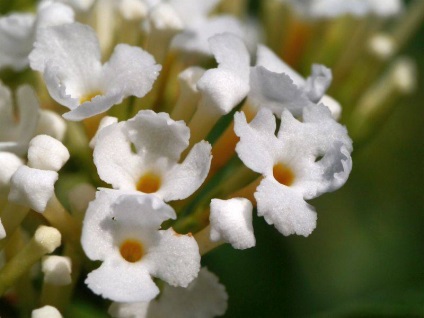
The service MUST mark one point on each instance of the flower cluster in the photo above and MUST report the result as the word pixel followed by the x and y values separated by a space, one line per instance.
pixel 192 123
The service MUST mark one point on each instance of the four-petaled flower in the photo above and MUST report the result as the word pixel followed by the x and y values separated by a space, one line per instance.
pixel 122 230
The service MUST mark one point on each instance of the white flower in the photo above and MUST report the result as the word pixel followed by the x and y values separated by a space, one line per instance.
pixel 303 161
pixel 69 58
pixel 15 135
pixel 33 185
pixel 122 230
pixel 276 86
pixel 153 166
pixel 231 220
pixel 18 32
pixel 205 297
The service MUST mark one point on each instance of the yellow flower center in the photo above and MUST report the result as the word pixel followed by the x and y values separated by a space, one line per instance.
pixel 150 182
pixel 283 174
pixel 131 250
pixel 90 96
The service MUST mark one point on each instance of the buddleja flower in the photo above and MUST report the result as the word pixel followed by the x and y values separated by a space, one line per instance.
pixel 152 167
pixel 69 58
pixel 18 31
pixel 303 161
pixel 276 86
pixel 122 230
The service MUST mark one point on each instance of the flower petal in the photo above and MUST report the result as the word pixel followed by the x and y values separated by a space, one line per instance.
pixel 73 46
pixel 142 211
pixel 95 240
pixel 157 135
pixel 185 178
pixel 117 214
pixel 130 71
pixel 231 220
pixel 318 82
pixel 73 55
pixel 122 281
pixel 53 13
pixel 106 121
pixel 95 106
pixel 32 187
pixel 333 105
pixel 285 208
pixel 226 86
pixel 266 58
pixel 175 259
pixel 129 310
pixel 116 163
pixel 275 91
pixel 258 145
pixel 205 297
pixel 337 165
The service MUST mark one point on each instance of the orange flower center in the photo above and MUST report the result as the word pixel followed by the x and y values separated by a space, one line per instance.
pixel 149 183
pixel 131 250
pixel 283 174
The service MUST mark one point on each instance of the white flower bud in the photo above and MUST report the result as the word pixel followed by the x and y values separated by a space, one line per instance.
pixel 32 187
pixel 46 312
pixel 57 270
pixel 47 153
